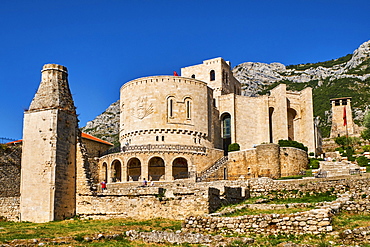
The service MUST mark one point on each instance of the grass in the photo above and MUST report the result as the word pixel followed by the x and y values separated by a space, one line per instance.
pixel 80 228
pixel 346 220
pixel 317 197
pixel 249 211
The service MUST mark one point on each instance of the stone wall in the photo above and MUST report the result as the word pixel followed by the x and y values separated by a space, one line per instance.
pixel 313 221
pixel 10 174
pixel 9 208
pixel 172 201
pixel 266 160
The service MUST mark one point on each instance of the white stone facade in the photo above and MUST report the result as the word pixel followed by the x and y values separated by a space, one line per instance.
pixel 175 127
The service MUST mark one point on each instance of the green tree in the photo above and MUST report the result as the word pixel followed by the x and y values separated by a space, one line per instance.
pixel 366 133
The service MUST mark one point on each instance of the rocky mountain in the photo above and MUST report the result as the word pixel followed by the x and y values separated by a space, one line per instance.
pixel 106 125
pixel 348 76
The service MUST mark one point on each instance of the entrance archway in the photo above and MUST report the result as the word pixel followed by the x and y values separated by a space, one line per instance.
pixel 104 173
pixel 116 171
pixel 180 168
pixel 156 170
pixel 291 116
pixel 133 169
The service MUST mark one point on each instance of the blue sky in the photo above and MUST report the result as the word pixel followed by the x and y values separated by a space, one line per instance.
pixel 107 43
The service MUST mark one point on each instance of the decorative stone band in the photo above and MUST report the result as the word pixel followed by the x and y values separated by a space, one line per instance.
pixel 158 147
pixel 171 131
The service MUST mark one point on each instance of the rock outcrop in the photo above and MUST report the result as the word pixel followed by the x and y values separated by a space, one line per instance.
pixel 106 125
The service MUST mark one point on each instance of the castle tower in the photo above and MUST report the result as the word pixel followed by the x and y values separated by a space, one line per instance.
pixel 48 187
pixel 342 122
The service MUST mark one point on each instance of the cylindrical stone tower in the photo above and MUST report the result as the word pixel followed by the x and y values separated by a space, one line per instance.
pixel 48 187
pixel 165 110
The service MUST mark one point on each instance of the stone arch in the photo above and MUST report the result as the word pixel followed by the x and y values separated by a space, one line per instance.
pixel 188 107
pixel 180 168
pixel 292 114
pixel 170 106
pixel 156 169
pixel 104 171
pixel 116 169
pixel 133 169
pixel 226 131
pixel 212 75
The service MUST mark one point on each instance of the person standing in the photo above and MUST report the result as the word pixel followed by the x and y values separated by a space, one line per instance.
pixel 103 185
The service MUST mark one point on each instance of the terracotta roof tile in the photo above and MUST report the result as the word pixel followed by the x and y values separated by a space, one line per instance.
pixel 93 138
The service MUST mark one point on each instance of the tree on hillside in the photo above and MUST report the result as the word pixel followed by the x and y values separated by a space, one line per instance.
pixel 366 133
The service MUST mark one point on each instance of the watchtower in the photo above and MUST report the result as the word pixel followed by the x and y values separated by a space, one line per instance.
pixel 48 187
pixel 342 122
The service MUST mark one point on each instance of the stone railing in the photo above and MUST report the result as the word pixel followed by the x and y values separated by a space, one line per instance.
pixel 158 147
pixel 207 172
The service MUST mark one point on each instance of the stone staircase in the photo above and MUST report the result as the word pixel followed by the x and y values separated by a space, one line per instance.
pixel 210 170
pixel 334 169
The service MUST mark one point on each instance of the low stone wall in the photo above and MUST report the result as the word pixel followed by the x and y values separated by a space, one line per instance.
pixel 9 208
pixel 314 221
pixel 294 188
pixel 175 202
pixel 360 206
pixel 357 235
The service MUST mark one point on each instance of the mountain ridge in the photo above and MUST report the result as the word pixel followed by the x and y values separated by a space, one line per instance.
pixel 347 76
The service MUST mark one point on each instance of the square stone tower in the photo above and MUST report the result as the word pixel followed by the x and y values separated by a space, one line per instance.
pixel 342 122
pixel 48 174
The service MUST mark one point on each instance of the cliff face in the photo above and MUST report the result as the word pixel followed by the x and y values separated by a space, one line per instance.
pixel 106 125
pixel 348 76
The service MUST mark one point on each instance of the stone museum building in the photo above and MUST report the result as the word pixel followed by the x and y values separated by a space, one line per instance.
pixel 180 127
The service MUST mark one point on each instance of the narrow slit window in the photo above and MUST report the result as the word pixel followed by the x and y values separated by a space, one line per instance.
pixel 170 107
pixel 188 109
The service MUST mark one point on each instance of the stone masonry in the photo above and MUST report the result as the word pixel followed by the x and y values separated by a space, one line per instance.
pixel 48 174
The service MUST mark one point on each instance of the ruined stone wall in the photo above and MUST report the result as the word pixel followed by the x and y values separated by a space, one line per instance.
pixel 10 174
pixel 10 171
pixel 172 201
pixel 313 221
pixel 358 185
pixel 9 208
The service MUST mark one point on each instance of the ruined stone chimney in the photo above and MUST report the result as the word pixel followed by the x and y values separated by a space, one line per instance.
pixel 48 174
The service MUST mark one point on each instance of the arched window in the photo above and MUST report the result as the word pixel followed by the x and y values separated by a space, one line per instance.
pixel 212 75
pixel 226 126
pixel 193 76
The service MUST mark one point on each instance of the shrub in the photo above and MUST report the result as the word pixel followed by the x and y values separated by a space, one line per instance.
pixel 314 164
pixel 295 144
pixel 366 148
pixel 233 147
pixel 362 161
